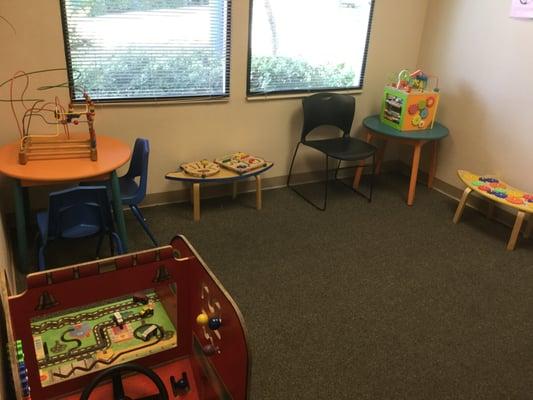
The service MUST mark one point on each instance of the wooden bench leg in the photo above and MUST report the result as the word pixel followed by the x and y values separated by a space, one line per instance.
pixel 196 201
pixel 461 206
pixel 258 197
pixel 516 230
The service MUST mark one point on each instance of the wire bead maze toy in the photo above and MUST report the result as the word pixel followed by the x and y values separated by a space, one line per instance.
pixel 61 143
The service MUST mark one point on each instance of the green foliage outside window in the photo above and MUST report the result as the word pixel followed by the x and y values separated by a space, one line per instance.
pixel 270 74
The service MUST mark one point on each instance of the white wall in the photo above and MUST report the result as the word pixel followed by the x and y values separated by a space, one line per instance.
pixel 185 132
pixel 485 61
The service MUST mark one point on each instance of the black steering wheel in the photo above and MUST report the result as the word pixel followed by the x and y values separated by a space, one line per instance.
pixel 115 373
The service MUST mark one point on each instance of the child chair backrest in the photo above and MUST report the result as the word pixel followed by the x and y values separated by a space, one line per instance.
pixel 139 166
pixel 81 211
pixel 328 109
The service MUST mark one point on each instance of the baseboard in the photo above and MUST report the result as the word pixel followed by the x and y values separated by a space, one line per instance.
pixel 220 190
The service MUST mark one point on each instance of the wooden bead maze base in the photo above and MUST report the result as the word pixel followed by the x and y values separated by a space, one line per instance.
pixel 43 148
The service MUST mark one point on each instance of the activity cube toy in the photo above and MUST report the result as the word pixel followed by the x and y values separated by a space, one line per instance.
pixel 407 105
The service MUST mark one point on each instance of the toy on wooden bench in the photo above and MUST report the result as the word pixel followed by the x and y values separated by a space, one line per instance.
pixel 35 116
pixel 240 162
pixel 494 189
pixel 200 169
pixel 407 105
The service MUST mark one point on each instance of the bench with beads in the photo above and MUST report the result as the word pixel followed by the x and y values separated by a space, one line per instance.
pixel 494 189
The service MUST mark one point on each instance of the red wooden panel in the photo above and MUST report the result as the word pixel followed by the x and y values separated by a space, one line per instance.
pixel 36 280
pixel 88 270
pixel 62 274
pixel 125 261
pixel 146 257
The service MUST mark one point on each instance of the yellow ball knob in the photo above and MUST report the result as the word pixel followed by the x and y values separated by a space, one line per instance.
pixel 202 319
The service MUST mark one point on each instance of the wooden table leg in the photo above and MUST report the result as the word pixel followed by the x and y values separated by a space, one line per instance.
pixel 516 230
pixel 234 193
pixel 461 206
pixel 258 196
pixel 359 170
pixel 196 201
pixel 414 173
pixel 433 165
pixel 119 214
pixel 379 157
pixel 22 239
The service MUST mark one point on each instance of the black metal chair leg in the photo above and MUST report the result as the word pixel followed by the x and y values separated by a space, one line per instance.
pixel 292 163
pixel 301 194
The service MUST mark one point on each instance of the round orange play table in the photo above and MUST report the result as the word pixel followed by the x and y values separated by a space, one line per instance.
pixel 112 154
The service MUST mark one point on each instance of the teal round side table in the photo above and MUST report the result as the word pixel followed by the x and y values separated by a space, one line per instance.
pixel 417 139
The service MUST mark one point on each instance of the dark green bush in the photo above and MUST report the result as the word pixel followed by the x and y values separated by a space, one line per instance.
pixel 270 74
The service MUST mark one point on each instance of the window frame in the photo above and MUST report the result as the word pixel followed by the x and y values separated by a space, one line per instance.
pixel 148 100
pixel 295 93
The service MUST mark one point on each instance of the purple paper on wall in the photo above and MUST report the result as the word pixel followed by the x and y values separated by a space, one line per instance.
pixel 522 8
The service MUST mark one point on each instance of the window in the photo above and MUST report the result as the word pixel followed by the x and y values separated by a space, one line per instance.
pixel 302 46
pixel 147 49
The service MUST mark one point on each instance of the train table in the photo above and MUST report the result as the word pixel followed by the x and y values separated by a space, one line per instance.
pixel 150 325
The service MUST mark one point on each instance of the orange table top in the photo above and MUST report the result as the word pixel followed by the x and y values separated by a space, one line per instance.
pixel 112 153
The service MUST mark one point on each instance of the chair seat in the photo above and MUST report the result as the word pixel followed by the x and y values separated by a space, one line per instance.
pixel 79 231
pixel 343 148
pixel 129 191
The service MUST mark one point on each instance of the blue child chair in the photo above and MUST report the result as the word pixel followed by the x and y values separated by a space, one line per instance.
pixel 133 183
pixel 75 213
pixel 133 192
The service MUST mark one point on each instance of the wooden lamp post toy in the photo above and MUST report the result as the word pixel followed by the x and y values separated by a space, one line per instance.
pixel 407 105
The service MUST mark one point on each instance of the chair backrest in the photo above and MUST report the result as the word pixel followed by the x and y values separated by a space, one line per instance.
pixel 328 109
pixel 78 207
pixel 139 166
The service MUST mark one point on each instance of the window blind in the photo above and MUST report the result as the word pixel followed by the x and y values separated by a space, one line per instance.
pixel 303 46
pixel 147 49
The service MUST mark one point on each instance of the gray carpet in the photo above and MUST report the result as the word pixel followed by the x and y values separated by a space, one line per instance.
pixel 366 301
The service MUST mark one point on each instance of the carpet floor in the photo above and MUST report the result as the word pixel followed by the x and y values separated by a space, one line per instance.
pixel 364 301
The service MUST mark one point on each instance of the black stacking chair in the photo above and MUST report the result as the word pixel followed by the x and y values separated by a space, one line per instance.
pixel 335 110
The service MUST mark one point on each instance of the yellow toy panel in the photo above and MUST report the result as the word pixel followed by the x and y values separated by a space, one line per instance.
pixel 421 111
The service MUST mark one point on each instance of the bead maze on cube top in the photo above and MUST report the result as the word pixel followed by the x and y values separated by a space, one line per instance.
pixel 33 115
pixel 407 105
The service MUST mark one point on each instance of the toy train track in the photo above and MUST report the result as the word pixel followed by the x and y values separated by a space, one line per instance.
pixel 40 328
pixel 112 359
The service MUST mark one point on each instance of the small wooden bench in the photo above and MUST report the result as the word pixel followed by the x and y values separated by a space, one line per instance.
pixel 494 189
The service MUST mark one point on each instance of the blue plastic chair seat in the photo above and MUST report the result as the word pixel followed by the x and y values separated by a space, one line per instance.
pixel 128 191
